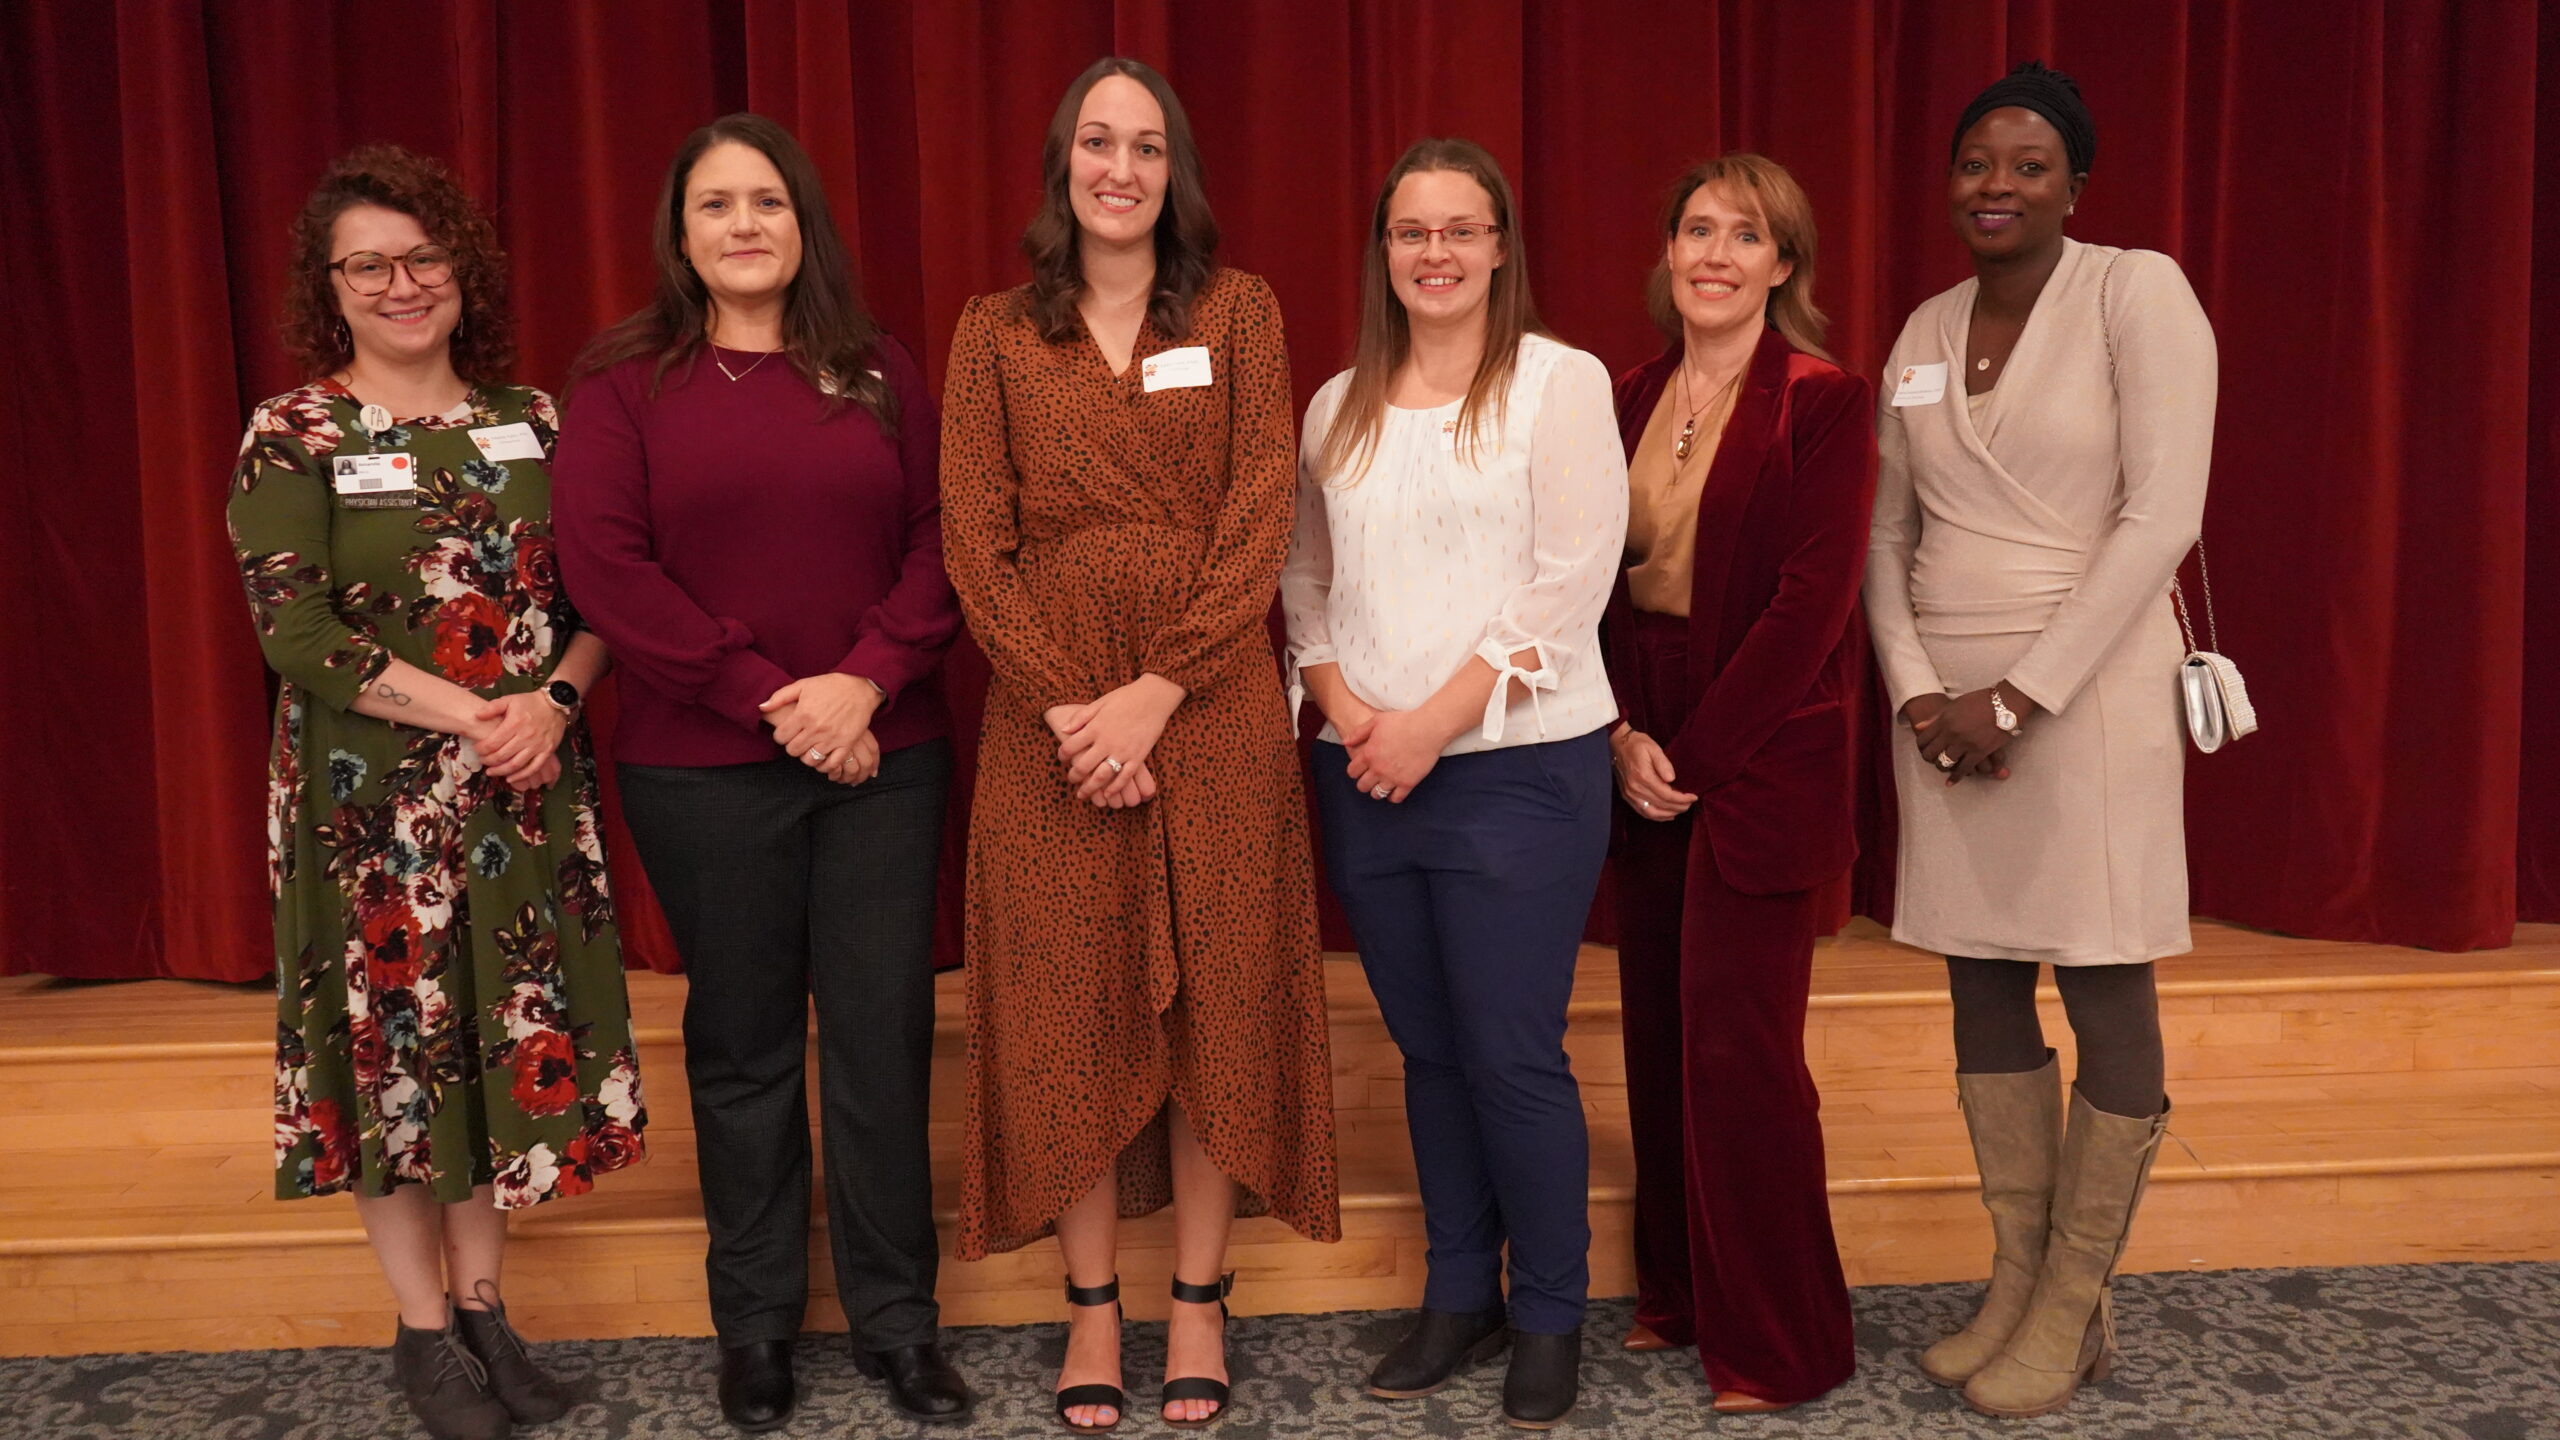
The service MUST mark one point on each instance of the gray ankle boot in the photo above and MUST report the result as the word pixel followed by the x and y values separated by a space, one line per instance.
pixel 446 1386
pixel 531 1396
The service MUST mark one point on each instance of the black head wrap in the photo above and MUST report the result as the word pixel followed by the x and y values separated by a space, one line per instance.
pixel 2049 93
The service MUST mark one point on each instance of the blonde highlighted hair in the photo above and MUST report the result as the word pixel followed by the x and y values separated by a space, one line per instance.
pixel 1386 336
pixel 1753 184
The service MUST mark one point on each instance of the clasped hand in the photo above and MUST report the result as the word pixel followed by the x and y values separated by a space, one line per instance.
pixel 1123 727
pixel 519 739
pixel 824 722
pixel 1391 750
pixel 1645 776
pixel 1966 730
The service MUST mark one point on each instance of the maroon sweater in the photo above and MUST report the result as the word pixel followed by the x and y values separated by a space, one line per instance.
pixel 728 537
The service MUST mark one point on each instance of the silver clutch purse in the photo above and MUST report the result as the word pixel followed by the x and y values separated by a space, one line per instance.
pixel 2217 699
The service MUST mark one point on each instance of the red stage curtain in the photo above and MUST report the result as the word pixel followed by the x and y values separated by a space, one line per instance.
pixel 2351 186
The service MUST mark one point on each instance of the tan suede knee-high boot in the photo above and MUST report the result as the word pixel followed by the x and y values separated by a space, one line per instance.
pixel 2068 1334
pixel 2016 1124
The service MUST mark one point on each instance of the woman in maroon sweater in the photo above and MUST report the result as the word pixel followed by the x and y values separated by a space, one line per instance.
pixel 746 500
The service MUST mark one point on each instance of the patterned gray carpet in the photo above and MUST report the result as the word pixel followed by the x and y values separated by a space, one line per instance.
pixel 2465 1352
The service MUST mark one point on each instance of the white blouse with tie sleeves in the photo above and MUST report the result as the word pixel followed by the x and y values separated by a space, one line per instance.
pixel 1402 574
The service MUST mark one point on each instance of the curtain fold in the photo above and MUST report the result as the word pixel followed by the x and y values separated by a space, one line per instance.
pixel 2351 186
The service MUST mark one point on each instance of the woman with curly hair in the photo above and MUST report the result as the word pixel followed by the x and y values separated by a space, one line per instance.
pixel 453 1036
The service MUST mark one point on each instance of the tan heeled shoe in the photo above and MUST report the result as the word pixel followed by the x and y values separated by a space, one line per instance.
pixel 1642 1340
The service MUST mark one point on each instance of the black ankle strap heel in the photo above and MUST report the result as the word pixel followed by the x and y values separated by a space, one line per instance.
pixel 1077 1396
pixel 1200 1387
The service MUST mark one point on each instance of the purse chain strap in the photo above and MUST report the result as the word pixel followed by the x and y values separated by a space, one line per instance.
pixel 2177 591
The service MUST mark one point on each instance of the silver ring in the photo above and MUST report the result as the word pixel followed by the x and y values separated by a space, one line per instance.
pixel 1382 792
pixel 818 757
pixel 1644 804
pixel 1116 766
pixel 1946 762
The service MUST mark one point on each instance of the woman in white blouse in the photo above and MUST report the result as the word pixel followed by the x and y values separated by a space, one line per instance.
pixel 1462 506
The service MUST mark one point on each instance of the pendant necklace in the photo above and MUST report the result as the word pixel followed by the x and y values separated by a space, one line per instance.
pixel 1689 432
pixel 738 375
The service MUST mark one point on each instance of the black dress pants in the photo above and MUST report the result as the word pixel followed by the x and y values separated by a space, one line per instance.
pixel 780 884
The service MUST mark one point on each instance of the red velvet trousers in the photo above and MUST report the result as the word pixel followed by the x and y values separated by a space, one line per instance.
pixel 1734 1251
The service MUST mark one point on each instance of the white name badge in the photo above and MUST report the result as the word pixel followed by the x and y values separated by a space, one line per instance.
pixel 372 474
pixel 510 442
pixel 1181 369
pixel 1921 384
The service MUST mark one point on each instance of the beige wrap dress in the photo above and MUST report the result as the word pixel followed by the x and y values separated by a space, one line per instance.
pixel 2034 537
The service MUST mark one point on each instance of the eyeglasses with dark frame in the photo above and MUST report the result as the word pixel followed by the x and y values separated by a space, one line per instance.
pixel 1458 236
pixel 369 272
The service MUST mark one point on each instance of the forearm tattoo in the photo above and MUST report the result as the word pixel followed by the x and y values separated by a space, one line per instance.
pixel 386 692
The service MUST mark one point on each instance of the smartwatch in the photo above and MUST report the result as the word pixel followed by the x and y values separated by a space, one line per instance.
pixel 563 697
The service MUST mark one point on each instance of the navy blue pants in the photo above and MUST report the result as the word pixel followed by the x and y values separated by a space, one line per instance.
pixel 1468 902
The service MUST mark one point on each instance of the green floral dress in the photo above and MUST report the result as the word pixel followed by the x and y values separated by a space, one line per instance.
pixel 451 1009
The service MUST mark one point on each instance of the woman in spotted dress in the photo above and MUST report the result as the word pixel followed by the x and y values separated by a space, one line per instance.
pixel 454 1038
pixel 1146 995
pixel 1464 503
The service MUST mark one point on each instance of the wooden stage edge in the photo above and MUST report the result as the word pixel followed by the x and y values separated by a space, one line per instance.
pixel 2344 1104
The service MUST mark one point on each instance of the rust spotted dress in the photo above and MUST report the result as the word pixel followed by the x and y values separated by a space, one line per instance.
pixel 1118 959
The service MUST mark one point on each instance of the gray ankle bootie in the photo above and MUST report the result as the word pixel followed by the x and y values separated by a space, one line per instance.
pixel 446 1385
pixel 531 1396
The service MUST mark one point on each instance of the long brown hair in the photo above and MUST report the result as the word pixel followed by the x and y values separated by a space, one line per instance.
pixel 483 347
pixel 1386 336
pixel 1751 183
pixel 1186 235
pixel 828 335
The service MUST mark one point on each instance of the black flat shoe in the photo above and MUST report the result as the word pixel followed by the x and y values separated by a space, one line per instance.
pixel 1201 1387
pixel 756 1388
pixel 1545 1379
pixel 921 1381
pixel 1441 1343
pixel 1076 1396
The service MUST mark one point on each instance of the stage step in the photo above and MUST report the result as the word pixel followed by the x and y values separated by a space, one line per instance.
pixel 2346 1104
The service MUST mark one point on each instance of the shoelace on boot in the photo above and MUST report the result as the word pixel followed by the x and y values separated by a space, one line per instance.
pixel 497 1313
pixel 459 1362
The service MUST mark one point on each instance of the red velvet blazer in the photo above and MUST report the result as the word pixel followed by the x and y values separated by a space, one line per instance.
pixel 1782 547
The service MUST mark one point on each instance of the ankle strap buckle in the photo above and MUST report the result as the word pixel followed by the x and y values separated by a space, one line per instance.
pixel 1104 1294
pixel 1190 1294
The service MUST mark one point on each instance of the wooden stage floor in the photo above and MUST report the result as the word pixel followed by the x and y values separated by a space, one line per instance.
pixel 2345 1104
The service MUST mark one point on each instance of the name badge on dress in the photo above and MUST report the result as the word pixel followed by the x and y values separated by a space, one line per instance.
pixel 1921 384
pixel 507 442
pixel 374 482
pixel 1183 369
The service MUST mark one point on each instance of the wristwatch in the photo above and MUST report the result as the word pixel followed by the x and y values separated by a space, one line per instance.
pixel 563 697
pixel 2001 714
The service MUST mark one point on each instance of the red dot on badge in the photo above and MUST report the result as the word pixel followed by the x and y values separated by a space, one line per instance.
pixel 399 462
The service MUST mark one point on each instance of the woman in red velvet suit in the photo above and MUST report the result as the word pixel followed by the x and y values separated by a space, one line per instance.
pixel 1752 465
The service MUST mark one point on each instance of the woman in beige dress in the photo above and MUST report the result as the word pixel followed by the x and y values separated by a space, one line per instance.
pixel 2044 441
